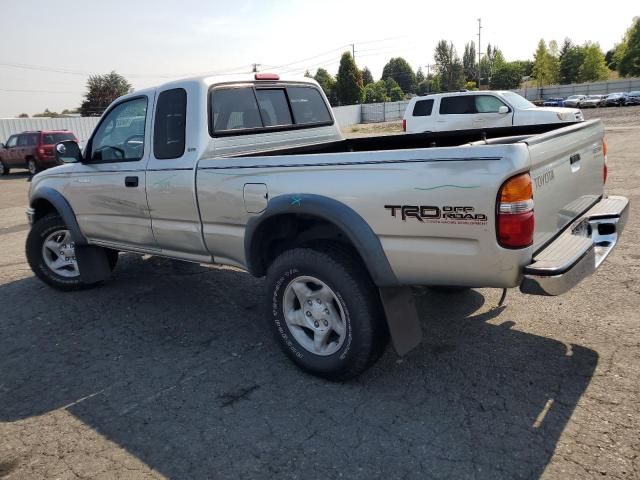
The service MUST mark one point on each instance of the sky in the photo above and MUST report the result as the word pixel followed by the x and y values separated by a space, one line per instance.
pixel 48 49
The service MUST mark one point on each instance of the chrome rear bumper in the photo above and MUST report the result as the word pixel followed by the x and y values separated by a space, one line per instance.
pixel 578 251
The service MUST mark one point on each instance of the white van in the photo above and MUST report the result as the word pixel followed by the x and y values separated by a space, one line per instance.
pixel 479 109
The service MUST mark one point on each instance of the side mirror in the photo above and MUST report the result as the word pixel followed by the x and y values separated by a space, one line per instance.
pixel 503 109
pixel 68 151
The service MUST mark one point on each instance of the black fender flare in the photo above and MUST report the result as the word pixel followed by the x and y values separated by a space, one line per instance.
pixel 343 217
pixel 63 208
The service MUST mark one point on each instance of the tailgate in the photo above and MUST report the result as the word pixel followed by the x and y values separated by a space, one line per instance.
pixel 567 167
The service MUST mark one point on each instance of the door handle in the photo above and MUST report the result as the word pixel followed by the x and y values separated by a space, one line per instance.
pixel 131 181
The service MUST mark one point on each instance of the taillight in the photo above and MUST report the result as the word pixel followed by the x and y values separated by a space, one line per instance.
pixel 515 217
pixel 605 169
pixel 41 151
pixel 404 125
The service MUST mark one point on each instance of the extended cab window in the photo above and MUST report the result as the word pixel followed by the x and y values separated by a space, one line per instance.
pixel 423 108
pixel 488 104
pixel 170 124
pixel 120 136
pixel 463 104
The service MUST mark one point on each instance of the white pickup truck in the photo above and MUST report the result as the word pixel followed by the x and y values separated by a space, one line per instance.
pixel 480 109
pixel 254 172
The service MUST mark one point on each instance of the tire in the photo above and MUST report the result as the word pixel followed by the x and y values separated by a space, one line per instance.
pixel 358 330
pixel 32 166
pixel 51 228
pixel 4 170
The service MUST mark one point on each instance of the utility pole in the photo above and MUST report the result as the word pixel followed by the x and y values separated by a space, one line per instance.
pixel 255 67
pixel 479 49
pixel 353 49
pixel 428 80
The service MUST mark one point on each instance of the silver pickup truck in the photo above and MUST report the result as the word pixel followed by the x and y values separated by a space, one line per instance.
pixel 254 172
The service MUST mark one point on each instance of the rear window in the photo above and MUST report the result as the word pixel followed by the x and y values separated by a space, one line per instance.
pixel 423 108
pixel 53 138
pixel 249 108
pixel 308 106
pixel 457 105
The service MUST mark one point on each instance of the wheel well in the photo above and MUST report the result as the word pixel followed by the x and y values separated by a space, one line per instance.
pixel 42 207
pixel 287 231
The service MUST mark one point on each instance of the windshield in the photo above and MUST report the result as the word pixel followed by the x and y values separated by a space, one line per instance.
pixel 517 101
pixel 634 94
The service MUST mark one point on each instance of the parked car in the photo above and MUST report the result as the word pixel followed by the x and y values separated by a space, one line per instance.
pixel 253 171
pixel 633 98
pixel 574 100
pixel 591 101
pixel 553 102
pixel 474 110
pixel 618 99
pixel 32 150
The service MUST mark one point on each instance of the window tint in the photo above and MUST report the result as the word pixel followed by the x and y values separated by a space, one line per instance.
pixel 464 104
pixel 488 104
pixel 273 107
pixel 235 108
pixel 53 138
pixel 308 105
pixel 12 141
pixel 120 136
pixel 23 140
pixel 423 108
pixel 170 123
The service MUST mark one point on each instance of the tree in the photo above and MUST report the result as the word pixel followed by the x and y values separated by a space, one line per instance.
pixel 554 61
pixel 349 81
pixel 394 91
pixel 430 85
pixel 449 66
pixel 419 76
pixel 627 55
pixel 23 115
pixel 328 85
pixel 307 74
pixel 526 67
pixel 594 66
pixel 469 62
pixel 367 77
pixel 492 60
pixel 400 70
pixel 571 58
pixel 610 58
pixel 376 92
pixel 101 91
pixel 507 76
pixel 46 114
pixel 542 64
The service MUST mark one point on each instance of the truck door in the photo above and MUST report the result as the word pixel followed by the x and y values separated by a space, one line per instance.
pixel 11 151
pixel 171 176
pixel 107 191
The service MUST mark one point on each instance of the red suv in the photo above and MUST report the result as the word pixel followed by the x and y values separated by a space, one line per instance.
pixel 32 150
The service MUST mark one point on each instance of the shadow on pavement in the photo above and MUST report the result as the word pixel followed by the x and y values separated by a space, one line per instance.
pixel 177 366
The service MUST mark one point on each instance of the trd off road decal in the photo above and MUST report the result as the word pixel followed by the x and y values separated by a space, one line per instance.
pixel 433 214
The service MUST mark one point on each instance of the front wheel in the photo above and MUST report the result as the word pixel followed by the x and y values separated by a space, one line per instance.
pixel 325 312
pixel 51 254
pixel 4 170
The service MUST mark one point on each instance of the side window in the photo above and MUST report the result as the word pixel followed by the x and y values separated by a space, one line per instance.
pixel 12 142
pixel 463 104
pixel 33 139
pixel 120 136
pixel 308 106
pixel 170 124
pixel 273 107
pixel 23 140
pixel 488 104
pixel 423 108
pixel 234 109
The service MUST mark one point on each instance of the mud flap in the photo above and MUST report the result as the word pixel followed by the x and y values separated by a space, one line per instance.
pixel 92 263
pixel 402 318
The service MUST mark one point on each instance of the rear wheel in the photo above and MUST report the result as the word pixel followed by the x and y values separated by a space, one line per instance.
pixel 32 166
pixel 4 170
pixel 325 312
